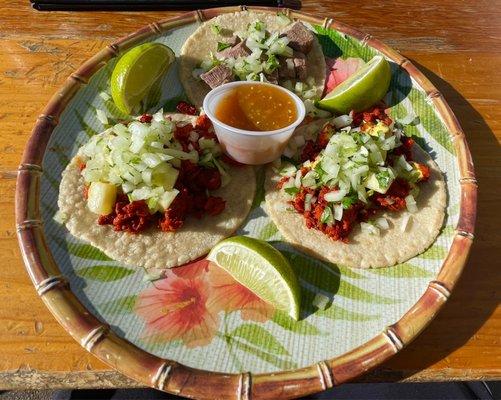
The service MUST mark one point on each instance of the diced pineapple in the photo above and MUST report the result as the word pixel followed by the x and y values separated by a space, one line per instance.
pixel 382 184
pixel 379 128
pixel 101 197
pixel 165 176
pixel 167 199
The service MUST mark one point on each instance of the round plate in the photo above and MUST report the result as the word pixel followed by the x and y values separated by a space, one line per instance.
pixel 239 347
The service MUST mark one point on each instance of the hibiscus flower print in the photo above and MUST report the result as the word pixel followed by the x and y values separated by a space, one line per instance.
pixel 176 308
pixel 229 295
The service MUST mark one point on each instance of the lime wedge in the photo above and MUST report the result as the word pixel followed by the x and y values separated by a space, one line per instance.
pixel 260 268
pixel 361 90
pixel 136 72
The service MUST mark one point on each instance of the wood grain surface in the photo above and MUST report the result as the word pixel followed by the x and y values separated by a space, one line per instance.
pixel 456 44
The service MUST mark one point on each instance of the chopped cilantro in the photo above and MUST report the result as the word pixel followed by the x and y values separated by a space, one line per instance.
pixel 259 26
pixel 383 178
pixel 326 216
pixel 271 64
pixel 349 200
pixel 216 29
pixel 221 46
pixel 291 190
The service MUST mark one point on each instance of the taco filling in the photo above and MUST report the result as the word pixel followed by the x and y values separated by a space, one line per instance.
pixel 357 166
pixel 260 55
pixel 154 172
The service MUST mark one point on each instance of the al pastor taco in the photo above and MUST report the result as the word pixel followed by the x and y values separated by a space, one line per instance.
pixel 156 192
pixel 357 192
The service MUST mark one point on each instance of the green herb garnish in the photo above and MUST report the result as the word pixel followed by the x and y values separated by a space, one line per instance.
pixel 216 29
pixel 221 46
pixel 291 190
pixel 327 216
pixel 383 178
pixel 349 200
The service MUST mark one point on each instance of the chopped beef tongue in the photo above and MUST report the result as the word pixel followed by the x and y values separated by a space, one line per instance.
pixel 273 77
pixel 217 76
pixel 291 68
pixel 300 37
pixel 284 72
pixel 299 60
pixel 238 50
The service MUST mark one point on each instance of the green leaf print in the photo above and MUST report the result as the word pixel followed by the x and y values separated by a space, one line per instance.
pixel 260 337
pixel 332 310
pixel 434 253
pixel 170 104
pixel 81 250
pixel 335 44
pixel 270 358
pixel 304 262
pixel 301 327
pixel 402 271
pixel 430 120
pixel 104 273
pixel 52 181
pixel 336 312
pixel 122 305
pixel 448 231
pixel 268 231
pixel 86 127
pixel 259 196
pixel 52 210
pixel 316 273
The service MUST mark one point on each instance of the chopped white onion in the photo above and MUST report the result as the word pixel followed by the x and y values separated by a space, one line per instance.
pixel 369 228
pixel 101 116
pixel 342 121
pixel 406 219
pixel 411 204
pixel 338 212
pixel 333 196
pixel 307 202
pixel 382 223
pixel 320 301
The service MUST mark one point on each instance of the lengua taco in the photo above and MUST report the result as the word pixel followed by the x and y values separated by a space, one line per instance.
pixel 357 192
pixel 249 45
pixel 156 192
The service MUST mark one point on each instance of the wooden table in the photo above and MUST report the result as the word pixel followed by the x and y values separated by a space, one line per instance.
pixel 456 45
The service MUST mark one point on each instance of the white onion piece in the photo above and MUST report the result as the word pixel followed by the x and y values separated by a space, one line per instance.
pixel 320 301
pixel 382 223
pixel 342 121
pixel 369 228
pixel 334 195
pixel 411 204
pixel 406 219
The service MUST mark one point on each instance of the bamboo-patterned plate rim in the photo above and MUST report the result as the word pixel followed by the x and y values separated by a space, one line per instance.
pixel 174 377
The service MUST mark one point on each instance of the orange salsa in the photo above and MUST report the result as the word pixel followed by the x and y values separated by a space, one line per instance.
pixel 256 108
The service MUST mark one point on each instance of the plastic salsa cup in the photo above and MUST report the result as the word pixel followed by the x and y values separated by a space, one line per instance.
pixel 250 147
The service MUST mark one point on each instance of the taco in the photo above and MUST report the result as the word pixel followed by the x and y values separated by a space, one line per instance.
pixel 357 192
pixel 156 192
pixel 249 45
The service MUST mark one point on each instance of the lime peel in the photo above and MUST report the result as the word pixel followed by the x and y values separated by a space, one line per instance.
pixel 137 72
pixel 262 269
